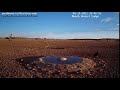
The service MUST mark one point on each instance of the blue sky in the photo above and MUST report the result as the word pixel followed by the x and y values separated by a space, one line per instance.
pixel 62 25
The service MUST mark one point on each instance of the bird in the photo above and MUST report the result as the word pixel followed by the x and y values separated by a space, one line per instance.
pixel 96 54
pixel 10 37
pixel 41 60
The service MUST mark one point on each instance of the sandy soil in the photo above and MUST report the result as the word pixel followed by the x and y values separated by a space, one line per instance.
pixel 106 65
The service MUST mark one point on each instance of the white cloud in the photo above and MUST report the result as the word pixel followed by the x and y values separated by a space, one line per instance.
pixel 79 35
pixel 115 28
pixel 108 29
pixel 118 24
pixel 106 19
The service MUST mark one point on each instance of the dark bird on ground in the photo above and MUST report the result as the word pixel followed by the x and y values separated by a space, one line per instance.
pixel 96 54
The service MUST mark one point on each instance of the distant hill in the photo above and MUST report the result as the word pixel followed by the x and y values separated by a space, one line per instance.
pixel 96 39
pixel 16 38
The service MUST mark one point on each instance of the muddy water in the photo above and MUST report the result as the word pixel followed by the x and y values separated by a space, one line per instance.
pixel 56 59
pixel 51 60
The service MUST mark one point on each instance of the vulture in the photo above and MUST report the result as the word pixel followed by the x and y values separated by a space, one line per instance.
pixel 96 54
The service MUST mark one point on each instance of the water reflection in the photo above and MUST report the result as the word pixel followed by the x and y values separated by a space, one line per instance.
pixel 51 60
pixel 62 60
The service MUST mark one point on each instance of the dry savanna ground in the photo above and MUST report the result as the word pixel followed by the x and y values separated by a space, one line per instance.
pixel 106 65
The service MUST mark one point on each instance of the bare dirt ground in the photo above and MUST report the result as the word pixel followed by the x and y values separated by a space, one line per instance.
pixel 106 65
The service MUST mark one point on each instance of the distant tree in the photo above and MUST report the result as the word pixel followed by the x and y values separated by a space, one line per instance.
pixel 6 38
pixel 36 38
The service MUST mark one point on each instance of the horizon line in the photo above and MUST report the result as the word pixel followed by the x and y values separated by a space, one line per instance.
pixel 55 38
